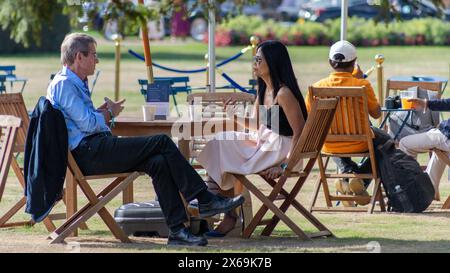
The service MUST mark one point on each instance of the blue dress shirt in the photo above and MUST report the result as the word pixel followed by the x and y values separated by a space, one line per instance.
pixel 69 94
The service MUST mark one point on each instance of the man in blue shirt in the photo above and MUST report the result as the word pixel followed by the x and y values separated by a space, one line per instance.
pixel 98 152
pixel 438 138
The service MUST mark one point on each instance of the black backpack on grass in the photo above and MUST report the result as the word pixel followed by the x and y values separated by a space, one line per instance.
pixel 408 187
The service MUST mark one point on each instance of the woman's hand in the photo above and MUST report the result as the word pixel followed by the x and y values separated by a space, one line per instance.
pixel 272 173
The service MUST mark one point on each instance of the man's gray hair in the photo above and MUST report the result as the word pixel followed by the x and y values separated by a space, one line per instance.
pixel 74 43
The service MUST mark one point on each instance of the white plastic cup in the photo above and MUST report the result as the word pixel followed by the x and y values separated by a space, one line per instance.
pixel 405 95
pixel 408 94
pixel 432 95
pixel 148 112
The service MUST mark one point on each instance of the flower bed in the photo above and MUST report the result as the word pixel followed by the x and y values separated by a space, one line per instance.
pixel 361 32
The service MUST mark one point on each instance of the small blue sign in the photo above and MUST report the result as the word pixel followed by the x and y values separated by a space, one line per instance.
pixel 158 91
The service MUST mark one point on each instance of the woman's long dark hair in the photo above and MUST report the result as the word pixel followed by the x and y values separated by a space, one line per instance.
pixel 281 72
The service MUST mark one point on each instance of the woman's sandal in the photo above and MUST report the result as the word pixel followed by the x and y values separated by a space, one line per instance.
pixel 236 231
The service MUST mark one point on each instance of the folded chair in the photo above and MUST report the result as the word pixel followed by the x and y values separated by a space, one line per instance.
pixel 347 126
pixel 444 157
pixel 96 202
pixel 13 104
pixel 308 147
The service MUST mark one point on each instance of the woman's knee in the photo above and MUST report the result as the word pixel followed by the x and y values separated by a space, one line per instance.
pixel 401 145
pixel 406 144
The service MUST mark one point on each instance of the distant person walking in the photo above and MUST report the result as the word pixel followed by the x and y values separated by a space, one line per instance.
pixel 180 22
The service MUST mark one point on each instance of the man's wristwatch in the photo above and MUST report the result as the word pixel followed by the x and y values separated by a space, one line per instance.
pixel 110 113
pixel 283 166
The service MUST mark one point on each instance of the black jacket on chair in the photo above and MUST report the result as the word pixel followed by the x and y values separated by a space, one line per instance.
pixel 45 163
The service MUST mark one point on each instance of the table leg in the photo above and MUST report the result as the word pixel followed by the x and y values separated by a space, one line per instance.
pixel 23 86
pixel 384 120
pixel 2 87
pixel 403 125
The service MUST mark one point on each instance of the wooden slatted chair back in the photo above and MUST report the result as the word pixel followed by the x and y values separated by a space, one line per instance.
pixel 13 104
pixel 9 126
pixel 315 131
pixel 351 122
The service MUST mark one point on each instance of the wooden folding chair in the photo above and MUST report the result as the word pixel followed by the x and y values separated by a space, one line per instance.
pixel 96 202
pixel 307 147
pixel 444 157
pixel 13 104
pixel 9 125
pixel 347 125
pixel 403 85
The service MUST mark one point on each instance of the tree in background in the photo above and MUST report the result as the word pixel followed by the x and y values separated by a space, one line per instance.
pixel 32 25
pixel 26 20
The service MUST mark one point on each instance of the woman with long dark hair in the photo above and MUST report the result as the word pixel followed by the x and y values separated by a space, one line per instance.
pixel 279 115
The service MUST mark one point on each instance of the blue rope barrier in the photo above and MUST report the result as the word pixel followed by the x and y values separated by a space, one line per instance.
pixel 224 75
pixel 224 62
pixel 235 84
pixel 164 67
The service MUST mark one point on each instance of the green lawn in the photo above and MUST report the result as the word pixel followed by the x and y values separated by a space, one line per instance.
pixel 310 65
pixel 355 232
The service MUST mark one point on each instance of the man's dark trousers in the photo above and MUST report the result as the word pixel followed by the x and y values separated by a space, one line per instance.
pixel 155 155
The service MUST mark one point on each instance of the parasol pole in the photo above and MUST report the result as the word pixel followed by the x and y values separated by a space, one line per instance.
pixel 344 15
pixel 147 55
pixel 212 47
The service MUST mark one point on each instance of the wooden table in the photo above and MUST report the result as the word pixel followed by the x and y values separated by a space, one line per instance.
pixel 183 130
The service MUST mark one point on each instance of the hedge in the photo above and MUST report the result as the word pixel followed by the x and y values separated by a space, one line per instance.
pixel 361 32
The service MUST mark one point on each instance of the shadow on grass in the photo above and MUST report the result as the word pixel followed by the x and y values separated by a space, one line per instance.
pixel 339 244
pixel 137 244
pixel 275 244
pixel 437 213
pixel 281 241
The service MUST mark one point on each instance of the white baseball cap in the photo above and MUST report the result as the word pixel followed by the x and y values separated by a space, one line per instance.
pixel 346 49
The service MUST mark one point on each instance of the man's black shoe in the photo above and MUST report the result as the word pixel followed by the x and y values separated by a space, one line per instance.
pixel 219 205
pixel 186 238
